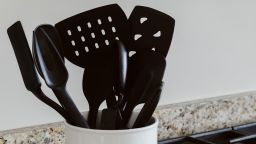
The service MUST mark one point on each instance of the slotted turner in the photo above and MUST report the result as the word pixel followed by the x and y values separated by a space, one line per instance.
pixel 151 33
pixel 151 30
pixel 87 39
pixel 89 34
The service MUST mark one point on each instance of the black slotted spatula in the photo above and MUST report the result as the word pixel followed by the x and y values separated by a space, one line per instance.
pixel 87 42
pixel 147 73
pixel 148 108
pixel 152 33
pixel 151 30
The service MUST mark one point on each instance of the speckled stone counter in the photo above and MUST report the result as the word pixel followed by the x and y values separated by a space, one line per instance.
pixel 174 120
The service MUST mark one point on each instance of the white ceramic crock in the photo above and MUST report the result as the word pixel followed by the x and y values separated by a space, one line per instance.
pixel 144 135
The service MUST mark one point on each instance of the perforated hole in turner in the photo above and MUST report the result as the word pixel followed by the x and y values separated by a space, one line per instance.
pixel 81 32
pixel 79 28
pixel 158 34
pixel 69 32
pixel 109 18
pixel 86 49
pixel 151 29
pixel 103 32
pixel 82 38
pixel 89 25
pixel 143 19
pixel 106 42
pixel 137 36
pixel 99 21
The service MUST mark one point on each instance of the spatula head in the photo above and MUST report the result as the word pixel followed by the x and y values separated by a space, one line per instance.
pixel 142 64
pixel 156 63
pixel 145 72
pixel 151 30
pixel 24 57
pixel 48 60
pixel 89 34
pixel 97 84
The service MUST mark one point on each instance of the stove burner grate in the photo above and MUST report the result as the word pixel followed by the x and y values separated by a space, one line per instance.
pixel 244 134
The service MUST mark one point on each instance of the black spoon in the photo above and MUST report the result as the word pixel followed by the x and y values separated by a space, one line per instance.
pixel 26 65
pixel 51 66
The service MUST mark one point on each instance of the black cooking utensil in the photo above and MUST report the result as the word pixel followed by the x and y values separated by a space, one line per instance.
pixel 24 58
pixel 120 67
pixel 140 86
pixel 148 108
pixel 151 30
pixel 147 70
pixel 120 60
pixel 97 86
pixel 26 65
pixel 93 32
pixel 87 42
pixel 111 117
pixel 51 66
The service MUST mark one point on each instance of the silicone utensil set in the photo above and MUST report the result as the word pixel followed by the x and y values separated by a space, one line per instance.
pixel 101 41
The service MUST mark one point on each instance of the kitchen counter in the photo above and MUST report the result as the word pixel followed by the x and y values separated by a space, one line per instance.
pixel 174 120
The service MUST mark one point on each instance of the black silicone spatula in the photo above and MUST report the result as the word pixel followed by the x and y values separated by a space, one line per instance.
pixel 24 58
pixel 97 86
pixel 26 65
pixel 148 108
pixel 147 70
pixel 51 66
pixel 151 30
pixel 87 42
pixel 137 91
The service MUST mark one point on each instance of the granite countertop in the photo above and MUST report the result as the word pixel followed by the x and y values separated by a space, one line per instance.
pixel 175 120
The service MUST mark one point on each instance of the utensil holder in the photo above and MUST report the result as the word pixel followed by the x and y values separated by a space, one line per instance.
pixel 143 135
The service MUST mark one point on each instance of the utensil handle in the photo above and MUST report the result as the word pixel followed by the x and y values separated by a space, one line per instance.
pixel 41 96
pixel 111 101
pixel 126 115
pixel 67 103
pixel 92 117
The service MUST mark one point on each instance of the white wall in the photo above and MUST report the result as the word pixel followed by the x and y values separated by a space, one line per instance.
pixel 213 52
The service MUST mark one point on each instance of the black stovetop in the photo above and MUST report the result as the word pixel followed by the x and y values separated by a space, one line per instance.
pixel 244 134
